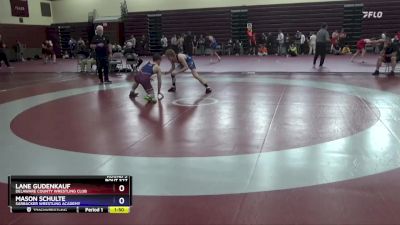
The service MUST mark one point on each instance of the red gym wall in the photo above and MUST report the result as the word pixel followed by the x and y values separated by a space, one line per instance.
pixel 305 17
pixel 34 38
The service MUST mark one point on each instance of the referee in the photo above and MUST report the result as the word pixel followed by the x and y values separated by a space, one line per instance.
pixel 322 43
pixel 103 49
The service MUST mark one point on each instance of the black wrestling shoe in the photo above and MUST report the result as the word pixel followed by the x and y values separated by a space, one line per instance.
pixel 172 89
pixel 108 82
pixel 376 73
pixel 391 74
pixel 208 90
pixel 133 94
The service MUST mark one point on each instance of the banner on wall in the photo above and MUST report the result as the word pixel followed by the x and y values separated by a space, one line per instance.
pixel 19 8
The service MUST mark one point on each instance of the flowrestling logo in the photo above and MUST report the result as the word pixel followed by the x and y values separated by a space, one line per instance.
pixel 372 14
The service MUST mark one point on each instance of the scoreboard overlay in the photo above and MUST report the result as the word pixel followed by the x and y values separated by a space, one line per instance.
pixel 70 194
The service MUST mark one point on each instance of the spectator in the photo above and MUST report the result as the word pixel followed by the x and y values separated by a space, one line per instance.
pixel 131 56
pixel 312 44
pixel 144 44
pixel 334 40
pixel 302 43
pixel 81 43
pixel 140 45
pixel 48 52
pixel 164 43
pixel 45 52
pixel 292 51
pixel 253 44
pixel 195 44
pixel 281 41
pixel 19 50
pixel 229 46
pixel 345 50
pixel 132 39
pixel 262 50
pixel 251 36
pixel 3 56
pixel 116 48
pixel 72 47
pixel 174 43
pixel 102 46
pixel 270 42
pixel 287 43
pixel 264 39
pixel 202 44
pixel 181 39
pixel 188 44
pixel 336 49
pixel 379 47
pixel 236 48
pixel 297 40
pixel 342 39
pixel 88 59
pixel 397 36
pixel 64 55
pixel 51 52
pixel 383 35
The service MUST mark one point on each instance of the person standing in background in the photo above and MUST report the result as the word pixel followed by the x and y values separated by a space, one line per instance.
pixel 334 39
pixel 188 44
pixel 381 46
pixel 72 47
pixel 281 42
pixel 302 43
pixel 287 43
pixel 133 41
pixel 312 43
pixel 19 50
pixel 269 42
pixel 101 45
pixel 264 39
pixel 383 35
pixel 321 44
pixel 50 49
pixel 3 56
pixel 195 44
pixel 174 43
pixel 202 44
pixel 181 39
pixel 297 38
pixel 164 43
pixel 342 39
pixel 253 44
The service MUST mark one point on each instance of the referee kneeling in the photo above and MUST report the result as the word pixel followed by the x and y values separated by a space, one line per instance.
pixel 101 44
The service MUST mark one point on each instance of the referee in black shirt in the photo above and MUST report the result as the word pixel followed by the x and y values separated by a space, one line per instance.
pixel 322 43
pixel 103 49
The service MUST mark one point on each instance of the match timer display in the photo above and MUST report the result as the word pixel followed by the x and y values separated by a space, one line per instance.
pixel 70 194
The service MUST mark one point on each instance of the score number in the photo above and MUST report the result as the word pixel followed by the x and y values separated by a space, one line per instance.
pixel 121 189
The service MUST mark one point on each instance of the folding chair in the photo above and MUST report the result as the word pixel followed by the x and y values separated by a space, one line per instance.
pixel 132 60
pixel 116 61
pixel 79 59
pixel 388 68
